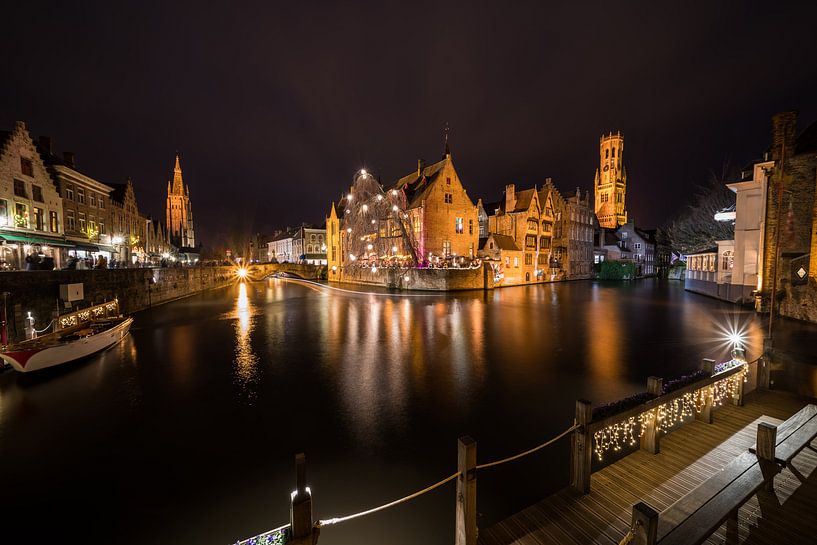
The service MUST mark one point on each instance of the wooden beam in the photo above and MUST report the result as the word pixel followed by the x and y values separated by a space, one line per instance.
pixel 581 448
pixel 466 523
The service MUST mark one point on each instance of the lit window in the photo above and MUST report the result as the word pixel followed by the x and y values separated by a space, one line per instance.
pixel 458 226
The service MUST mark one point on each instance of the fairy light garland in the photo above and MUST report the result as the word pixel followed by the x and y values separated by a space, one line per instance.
pixel 663 417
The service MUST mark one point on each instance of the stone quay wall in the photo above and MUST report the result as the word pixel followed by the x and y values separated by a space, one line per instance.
pixel 480 278
pixel 38 292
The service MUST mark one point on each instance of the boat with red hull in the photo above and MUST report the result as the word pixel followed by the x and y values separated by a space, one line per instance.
pixel 87 332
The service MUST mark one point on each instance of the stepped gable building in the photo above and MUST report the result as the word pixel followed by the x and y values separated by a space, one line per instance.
pixel 179 211
pixel 128 225
pixel 611 182
pixel 30 206
pixel 442 215
pixel 85 203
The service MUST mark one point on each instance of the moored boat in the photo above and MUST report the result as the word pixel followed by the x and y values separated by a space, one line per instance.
pixel 83 338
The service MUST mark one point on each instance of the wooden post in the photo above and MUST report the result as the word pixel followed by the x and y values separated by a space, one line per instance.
pixel 766 445
pixel 581 448
pixel 300 509
pixel 764 373
pixel 650 440
pixel 737 399
pixel 705 415
pixel 655 385
pixel 466 529
pixel 645 524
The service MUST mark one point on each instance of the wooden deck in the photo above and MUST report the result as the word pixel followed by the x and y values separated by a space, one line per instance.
pixel 688 457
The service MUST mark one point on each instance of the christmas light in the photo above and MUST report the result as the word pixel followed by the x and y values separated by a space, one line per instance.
pixel 673 412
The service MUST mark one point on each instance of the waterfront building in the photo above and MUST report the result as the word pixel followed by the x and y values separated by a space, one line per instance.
pixel 789 232
pixel 425 218
pixel 157 248
pixel 128 226
pixel 309 245
pixel 506 259
pixel 31 225
pixel 610 184
pixel 442 216
pixel 85 204
pixel 579 230
pixel 519 218
pixel 180 231
pixel 280 248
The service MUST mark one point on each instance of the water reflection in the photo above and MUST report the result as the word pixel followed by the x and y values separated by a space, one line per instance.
pixel 246 362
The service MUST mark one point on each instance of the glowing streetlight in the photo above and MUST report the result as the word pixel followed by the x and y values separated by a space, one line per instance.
pixel 241 273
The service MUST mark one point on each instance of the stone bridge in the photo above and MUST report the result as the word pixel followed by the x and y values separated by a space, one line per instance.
pixel 259 271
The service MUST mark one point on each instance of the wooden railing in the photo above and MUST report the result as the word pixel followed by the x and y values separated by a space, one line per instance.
pixel 104 310
pixel 642 425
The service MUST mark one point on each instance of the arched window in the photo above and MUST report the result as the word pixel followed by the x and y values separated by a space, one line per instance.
pixel 312 238
pixel 606 153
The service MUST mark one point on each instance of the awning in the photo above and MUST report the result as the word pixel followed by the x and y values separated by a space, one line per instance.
pixel 35 240
pixel 85 247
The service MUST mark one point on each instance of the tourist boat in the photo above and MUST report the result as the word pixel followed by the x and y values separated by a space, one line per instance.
pixel 82 334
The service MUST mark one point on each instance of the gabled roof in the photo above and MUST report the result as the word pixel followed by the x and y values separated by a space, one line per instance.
pixel 523 200
pixel 503 242
pixel 416 185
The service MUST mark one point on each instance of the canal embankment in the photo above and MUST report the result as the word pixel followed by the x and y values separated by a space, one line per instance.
pixel 48 294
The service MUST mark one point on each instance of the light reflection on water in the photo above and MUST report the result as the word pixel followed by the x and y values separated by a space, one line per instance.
pixel 246 362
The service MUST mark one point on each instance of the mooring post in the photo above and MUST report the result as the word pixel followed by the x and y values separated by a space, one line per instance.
pixel 764 372
pixel 300 510
pixel 644 525
pixel 705 414
pixel 581 448
pixel 655 385
pixel 466 525
pixel 766 445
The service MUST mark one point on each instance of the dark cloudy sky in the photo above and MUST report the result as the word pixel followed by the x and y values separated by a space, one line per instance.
pixel 274 105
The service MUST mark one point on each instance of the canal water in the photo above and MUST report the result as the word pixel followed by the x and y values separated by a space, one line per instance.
pixel 186 431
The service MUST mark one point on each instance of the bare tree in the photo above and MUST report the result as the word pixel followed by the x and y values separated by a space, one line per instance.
pixel 695 228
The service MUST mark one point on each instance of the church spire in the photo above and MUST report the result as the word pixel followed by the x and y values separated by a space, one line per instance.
pixel 178 184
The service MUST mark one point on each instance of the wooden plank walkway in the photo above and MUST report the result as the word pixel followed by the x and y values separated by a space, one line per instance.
pixel 688 457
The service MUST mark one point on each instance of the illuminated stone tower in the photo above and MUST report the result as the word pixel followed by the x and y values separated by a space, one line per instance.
pixel 611 182
pixel 179 211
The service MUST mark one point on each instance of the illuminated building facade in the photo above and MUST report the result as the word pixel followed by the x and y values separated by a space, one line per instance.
pixel 180 231
pixel 30 206
pixel 611 182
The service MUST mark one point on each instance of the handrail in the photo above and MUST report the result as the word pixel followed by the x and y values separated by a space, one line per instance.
pixel 668 397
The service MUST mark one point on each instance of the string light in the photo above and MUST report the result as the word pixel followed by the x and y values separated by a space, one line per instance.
pixel 669 414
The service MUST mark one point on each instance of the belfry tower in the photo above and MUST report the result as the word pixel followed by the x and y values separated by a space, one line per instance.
pixel 611 182
pixel 179 211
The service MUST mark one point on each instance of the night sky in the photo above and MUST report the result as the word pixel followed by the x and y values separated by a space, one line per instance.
pixel 275 105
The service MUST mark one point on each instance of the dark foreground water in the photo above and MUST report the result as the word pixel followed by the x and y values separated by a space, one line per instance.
pixel 186 431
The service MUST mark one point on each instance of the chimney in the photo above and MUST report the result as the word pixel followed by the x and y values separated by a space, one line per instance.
pixel 420 166
pixel 45 144
pixel 69 158
pixel 784 132
pixel 510 197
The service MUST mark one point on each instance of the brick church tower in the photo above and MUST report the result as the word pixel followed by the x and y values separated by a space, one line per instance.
pixel 179 211
pixel 611 182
